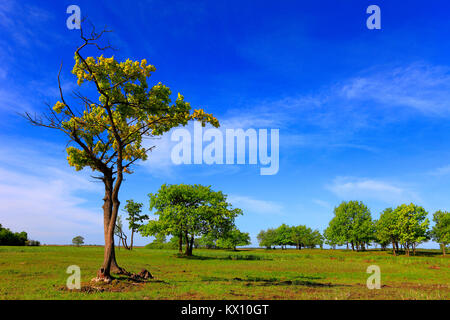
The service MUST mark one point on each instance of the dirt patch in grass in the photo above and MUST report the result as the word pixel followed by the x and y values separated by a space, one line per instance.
pixel 116 285
pixel 434 267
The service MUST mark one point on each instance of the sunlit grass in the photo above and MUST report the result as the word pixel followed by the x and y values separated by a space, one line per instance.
pixel 40 273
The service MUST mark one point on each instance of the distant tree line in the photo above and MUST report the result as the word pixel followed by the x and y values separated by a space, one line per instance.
pixel 10 238
pixel 195 216
pixel 299 236
pixel 403 228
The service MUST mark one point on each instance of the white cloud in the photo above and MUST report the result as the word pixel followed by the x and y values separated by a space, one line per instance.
pixel 248 204
pixel 351 188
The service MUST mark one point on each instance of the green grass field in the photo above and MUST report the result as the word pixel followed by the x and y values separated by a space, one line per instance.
pixel 40 273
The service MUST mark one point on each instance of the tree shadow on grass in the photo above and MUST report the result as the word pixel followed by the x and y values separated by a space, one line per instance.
pixel 257 281
pixel 247 257
pixel 419 253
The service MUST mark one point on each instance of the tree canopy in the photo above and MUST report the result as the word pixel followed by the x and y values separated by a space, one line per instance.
pixel 352 223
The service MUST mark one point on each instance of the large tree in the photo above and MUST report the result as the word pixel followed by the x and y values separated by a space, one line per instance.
pixel 106 125
pixel 352 223
pixel 412 226
pixel 188 211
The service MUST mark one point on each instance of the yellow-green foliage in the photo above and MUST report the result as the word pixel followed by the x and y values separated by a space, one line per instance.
pixel 127 109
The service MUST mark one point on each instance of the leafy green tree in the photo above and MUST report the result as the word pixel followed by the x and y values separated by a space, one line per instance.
pixel 106 125
pixel 314 238
pixel 283 236
pixel 78 241
pixel 332 236
pixel 299 235
pixel 441 228
pixel 188 211
pixel 386 230
pixel 233 239
pixel 135 219
pixel 412 226
pixel 267 238
pixel 352 223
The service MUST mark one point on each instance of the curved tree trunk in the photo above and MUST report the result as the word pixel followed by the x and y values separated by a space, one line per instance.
pixel 110 210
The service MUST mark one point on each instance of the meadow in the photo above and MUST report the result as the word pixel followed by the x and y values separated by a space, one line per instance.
pixel 40 273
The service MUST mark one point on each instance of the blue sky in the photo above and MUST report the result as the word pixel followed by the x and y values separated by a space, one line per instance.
pixel 363 114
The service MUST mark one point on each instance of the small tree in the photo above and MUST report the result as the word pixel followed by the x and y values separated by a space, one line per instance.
pixel 233 239
pixel 134 218
pixel 118 231
pixel 267 238
pixel 78 241
pixel 441 229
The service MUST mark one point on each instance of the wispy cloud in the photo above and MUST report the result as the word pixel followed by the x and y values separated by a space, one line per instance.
pixel 351 188
pixel 252 205
pixel 418 86
pixel 322 203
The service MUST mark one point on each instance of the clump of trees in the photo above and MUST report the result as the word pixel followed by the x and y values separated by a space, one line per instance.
pixel 299 236
pixel 189 211
pixel 405 227
pixel 9 238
